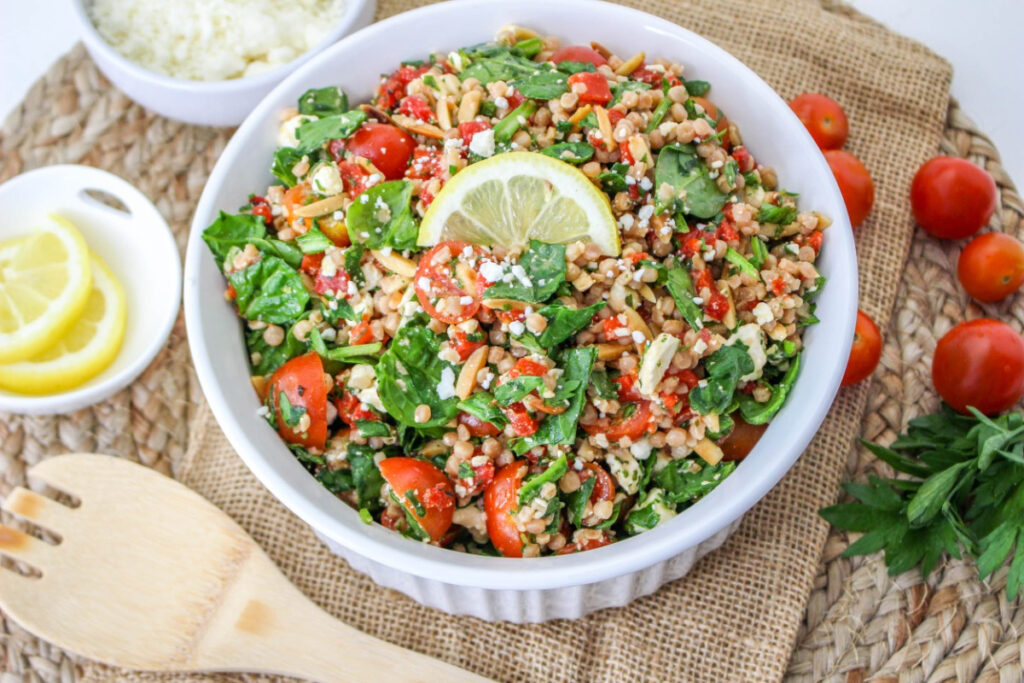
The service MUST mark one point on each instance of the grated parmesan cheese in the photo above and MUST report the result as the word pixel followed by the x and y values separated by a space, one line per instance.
pixel 213 40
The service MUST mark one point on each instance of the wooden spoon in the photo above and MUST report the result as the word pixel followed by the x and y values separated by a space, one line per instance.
pixel 149 575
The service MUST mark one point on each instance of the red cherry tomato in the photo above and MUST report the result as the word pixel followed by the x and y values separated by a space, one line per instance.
pixel 437 281
pixel 299 398
pixel 991 266
pixel 500 500
pixel 634 426
pixel 520 419
pixel 361 332
pixel 470 128
pixel 598 542
pixel 591 87
pixel 604 485
pixel 476 426
pixel 980 363
pixel 742 439
pixel 387 147
pixel 578 53
pixel 335 285
pixel 416 107
pixel 351 410
pixel 713 113
pixel 854 183
pixel 431 488
pixel 526 366
pixel 952 198
pixel 865 352
pixel 824 119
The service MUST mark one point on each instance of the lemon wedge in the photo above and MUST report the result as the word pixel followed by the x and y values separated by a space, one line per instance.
pixel 514 197
pixel 84 351
pixel 45 280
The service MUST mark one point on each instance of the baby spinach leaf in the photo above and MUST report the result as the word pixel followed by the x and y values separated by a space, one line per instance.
pixel 682 485
pixel 410 373
pixel 269 358
pixel 382 217
pixel 697 88
pixel 680 286
pixel 366 477
pixel 285 159
pixel 517 388
pixel 575 153
pixel 237 230
pixel 572 387
pixel 528 47
pixel 481 405
pixel 313 134
pixel 680 167
pixel 323 101
pixel 603 385
pixel 532 485
pixel 544 85
pixel 577 501
pixel 499 66
pixel 353 263
pixel 543 271
pixel 760 413
pixel 563 322
pixel 570 67
pixel 625 86
pixel 724 368
pixel 269 290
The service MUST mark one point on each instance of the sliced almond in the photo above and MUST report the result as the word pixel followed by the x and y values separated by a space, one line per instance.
pixel 600 49
pixel 709 451
pixel 647 293
pixel 604 124
pixel 396 263
pixel 419 127
pixel 610 351
pixel 469 106
pixel 328 205
pixel 631 64
pixel 579 115
pixel 466 382
pixel 444 115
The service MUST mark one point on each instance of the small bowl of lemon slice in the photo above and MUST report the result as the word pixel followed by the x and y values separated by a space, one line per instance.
pixel 90 285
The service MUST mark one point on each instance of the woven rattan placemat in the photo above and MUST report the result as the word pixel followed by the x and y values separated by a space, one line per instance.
pixel 859 622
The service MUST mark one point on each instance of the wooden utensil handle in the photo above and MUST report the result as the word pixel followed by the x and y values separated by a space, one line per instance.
pixel 266 624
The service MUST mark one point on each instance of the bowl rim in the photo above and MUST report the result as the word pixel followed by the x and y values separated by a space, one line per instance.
pixel 496 573
pixel 351 10
pixel 90 393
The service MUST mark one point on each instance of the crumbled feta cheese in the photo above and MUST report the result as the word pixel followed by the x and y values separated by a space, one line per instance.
pixel 446 387
pixel 516 327
pixel 626 221
pixel 287 133
pixel 326 179
pixel 639 337
pixel 491 271
pixel 763 313
pixel 482 143
pixel 753 338
pixel 466 300
pixel 646 185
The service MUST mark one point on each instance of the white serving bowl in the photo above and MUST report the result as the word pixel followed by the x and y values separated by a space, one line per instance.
pixel 137 246
pixel 206 103
pixel 549 587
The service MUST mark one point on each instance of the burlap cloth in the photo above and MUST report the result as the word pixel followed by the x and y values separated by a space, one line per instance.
pixel 741 612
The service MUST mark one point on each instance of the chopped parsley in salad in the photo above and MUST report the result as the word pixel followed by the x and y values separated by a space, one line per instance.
pixel 528 399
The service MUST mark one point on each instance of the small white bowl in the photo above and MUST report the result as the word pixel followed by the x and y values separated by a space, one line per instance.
pixel 206 103
pixel 542 588
pixel 136 244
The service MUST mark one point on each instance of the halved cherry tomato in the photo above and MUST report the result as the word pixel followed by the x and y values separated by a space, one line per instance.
pixel 823 118
pixel 416 107
pixel 520 419
pixel 865 352
pixel 431 488
pixel 591 87
pixel 952 198
pixel 392 90
pixel 464 346
pixel 854 183
pixel 361 332
pixel 387 147
pixel 980 363
pixel 742 439
pixel 335 285
pixel 634 426
pixel 299 399
pixel 470 128
pixel 261 207
pixel 578 53
pixel 350 410
pixel 525 366
pixel 991 266
pixel 476 426
pixel 654 77
pixel 483 475
pixel 500 500
pixel 627 387
pixel 604 485
pixel 425 163
pixel 436 281
pixel 598 542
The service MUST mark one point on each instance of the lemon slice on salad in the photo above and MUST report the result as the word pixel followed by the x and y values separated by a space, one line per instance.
pixel 514 197
pixel 45 280
pixel 84 351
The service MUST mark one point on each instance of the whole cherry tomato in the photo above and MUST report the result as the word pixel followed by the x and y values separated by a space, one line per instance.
pixel 824 119
pixel 952 198
pixel 299 399
pixel 434 495
pixel 387 146
pixel 854 183
pixel 500 500
pixel 980 363
pixel 991 266
pixel 865 352
pixel 742 439
pixel 578 53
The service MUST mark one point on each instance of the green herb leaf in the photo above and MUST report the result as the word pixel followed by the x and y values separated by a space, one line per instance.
pixel 563 322
pixel 313 242
pixel 697 88
pixel 544 268
pixel 312 135
pixel 571 389
pixel 323 101
pixel 680 286
pixel 575 153
pixel 779 215
pixel 410 373
pixel 683 484
pixel 517 388
pixel 544 85
pixel 760 413
pixel 532 485
pixel 270 291
pixel 603 386
pixel 382 217
pixel 236 230
pixel 285 159
pixel 724 368
pixel 481 405
pixel 680 167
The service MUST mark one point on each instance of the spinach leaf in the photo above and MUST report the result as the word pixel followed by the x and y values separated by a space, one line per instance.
pixel 570 67
pixel 528 47
pixel 614 181
pixel 563 322
pixel 603 385
pixel 697 88
pixel 269 290
pixel 481 405
pixel 619 88
pixel 543 85
pixel 382 217
pixel 682 485
pixel 680 286
pixel 779 215
pixel 313 134
pixel 543 271
pixel 366 477
pixel 760 413
pixel 575 153
pixel 572 387
pixel 285 159
pixel 680 167
pixel 354 262
pixel 499 66
pixel 411 373
pixel 323 101
pixel 532 485
pixel 270 358
pixel 237 230
pixel 516 388
pixel 724 368
pixel 577 501
pixel 368 428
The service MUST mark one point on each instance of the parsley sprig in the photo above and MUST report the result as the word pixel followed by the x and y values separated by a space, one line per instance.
pixel 963 493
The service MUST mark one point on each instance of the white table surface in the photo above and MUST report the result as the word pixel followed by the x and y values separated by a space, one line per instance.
pixel 980 38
